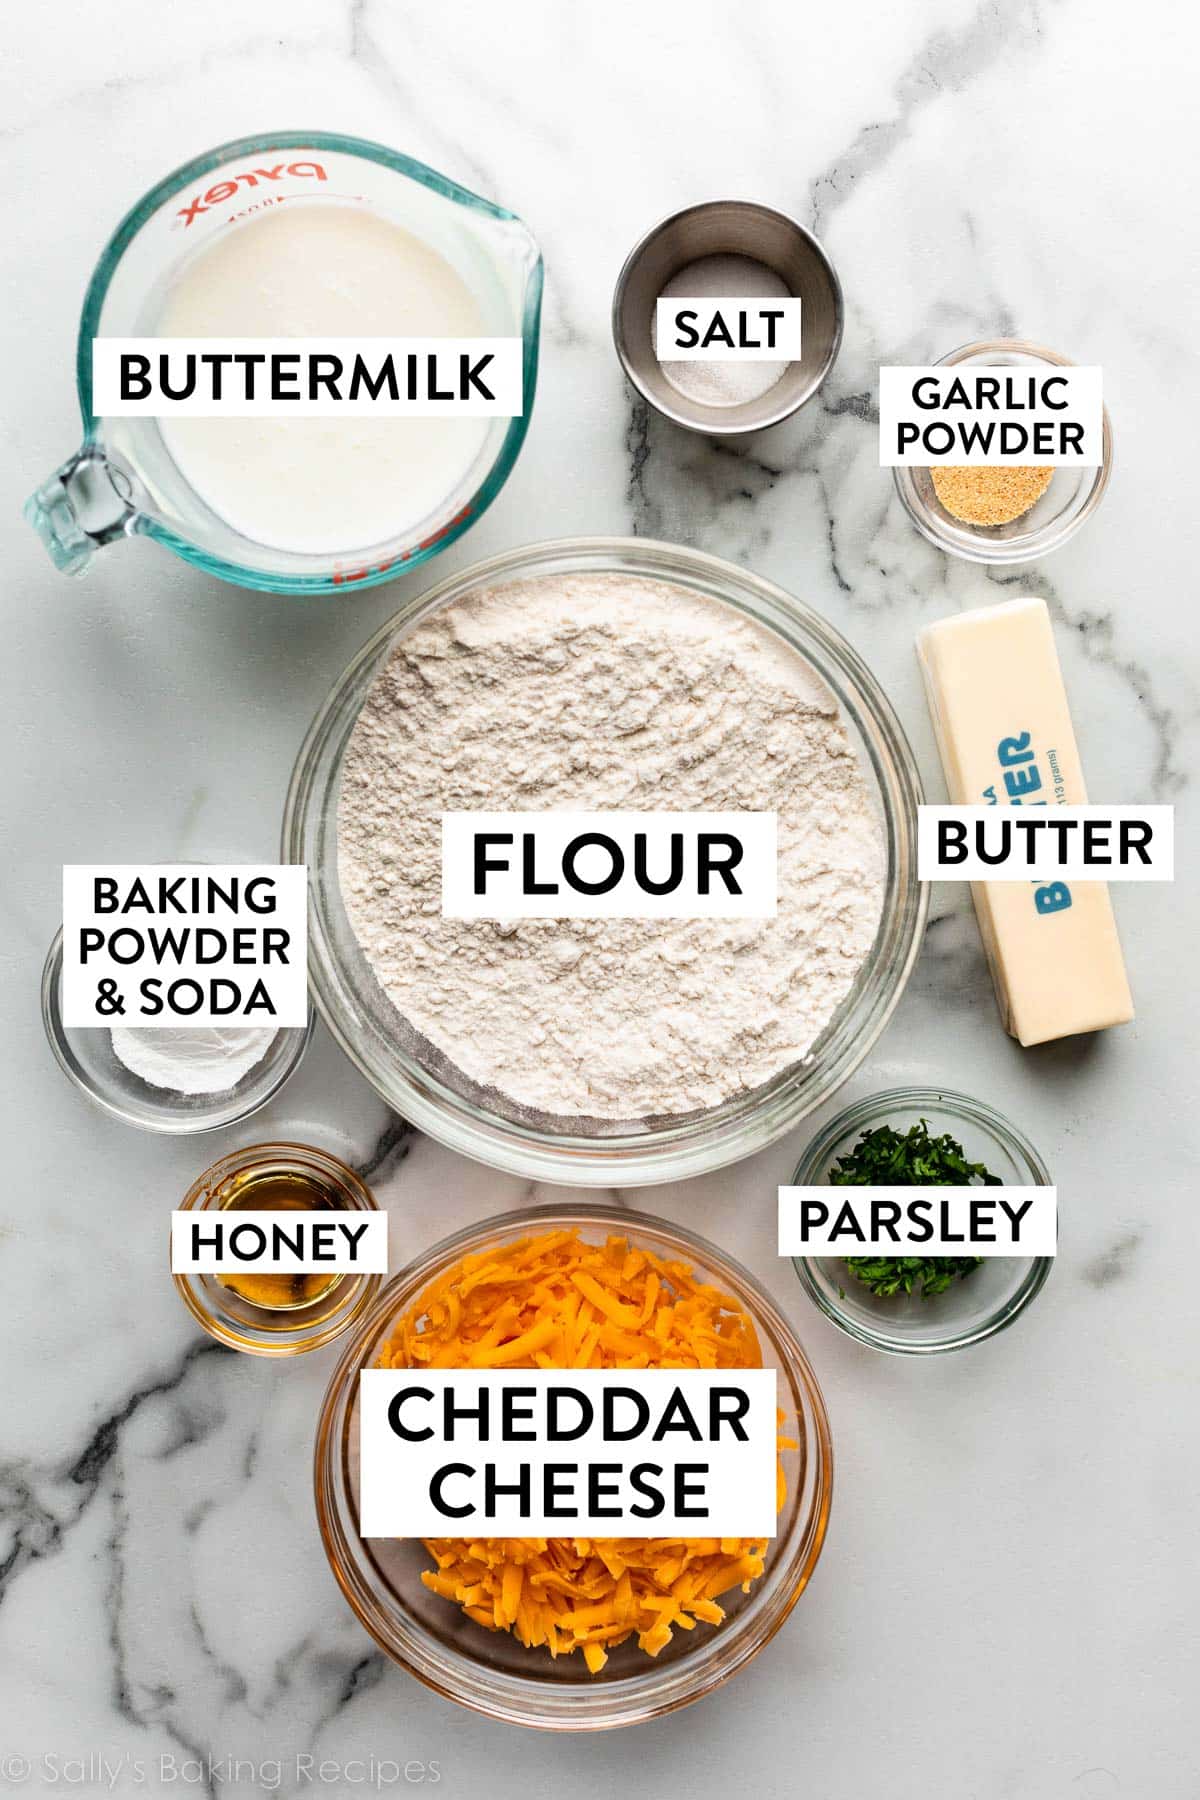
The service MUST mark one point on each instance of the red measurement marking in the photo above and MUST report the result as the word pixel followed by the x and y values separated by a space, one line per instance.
pixel 362 570
pixel 303 170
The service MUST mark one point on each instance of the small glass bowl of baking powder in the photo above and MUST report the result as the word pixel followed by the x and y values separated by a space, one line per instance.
pixel 976 1305
pixel 1071 496
pixel 87 1056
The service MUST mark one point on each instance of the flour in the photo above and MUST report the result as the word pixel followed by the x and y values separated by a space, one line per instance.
pixel 591 692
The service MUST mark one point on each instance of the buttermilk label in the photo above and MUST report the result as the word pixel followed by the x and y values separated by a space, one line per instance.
pixel 204 378
pixel 176 944
pixel 609 865
pixel 971 413
pixel 921 1221
pixel 568 1452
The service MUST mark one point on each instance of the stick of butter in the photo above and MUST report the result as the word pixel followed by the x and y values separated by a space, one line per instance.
pixel 1004 732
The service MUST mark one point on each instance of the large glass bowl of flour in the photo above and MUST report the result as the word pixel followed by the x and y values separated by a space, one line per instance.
pixel 588 674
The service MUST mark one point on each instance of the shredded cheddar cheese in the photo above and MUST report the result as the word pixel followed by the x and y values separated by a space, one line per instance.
pixel 558 1302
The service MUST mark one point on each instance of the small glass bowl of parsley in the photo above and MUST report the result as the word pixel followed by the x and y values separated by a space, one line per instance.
pixel 921 1137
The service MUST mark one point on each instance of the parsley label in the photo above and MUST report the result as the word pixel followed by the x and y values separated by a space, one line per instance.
pixel 911 1213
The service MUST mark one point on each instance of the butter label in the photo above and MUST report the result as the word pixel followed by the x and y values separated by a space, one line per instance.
pixel 1043 842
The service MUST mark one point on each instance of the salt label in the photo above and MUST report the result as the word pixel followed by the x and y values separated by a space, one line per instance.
pixel 185 944
pixel 726 328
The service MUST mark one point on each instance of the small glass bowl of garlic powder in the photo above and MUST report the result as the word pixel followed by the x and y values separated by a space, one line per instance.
pixel 179 1080
pixel 1010 514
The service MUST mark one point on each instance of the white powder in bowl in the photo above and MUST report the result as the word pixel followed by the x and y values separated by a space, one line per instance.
pixel 722 383
pixel 195 1059
pixel 594 692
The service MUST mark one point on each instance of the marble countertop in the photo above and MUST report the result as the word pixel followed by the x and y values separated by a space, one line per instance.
pixel 1006 1603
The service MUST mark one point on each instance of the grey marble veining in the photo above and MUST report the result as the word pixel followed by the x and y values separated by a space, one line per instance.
pixel 1005 1609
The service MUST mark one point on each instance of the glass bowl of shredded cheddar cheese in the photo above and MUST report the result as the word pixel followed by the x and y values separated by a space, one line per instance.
pixel 576 1633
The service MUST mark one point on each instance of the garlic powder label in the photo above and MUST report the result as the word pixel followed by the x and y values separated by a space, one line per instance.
pixel 983 415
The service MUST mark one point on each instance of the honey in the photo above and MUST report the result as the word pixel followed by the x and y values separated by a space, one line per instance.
pixel 281 1190
pixel 266 1304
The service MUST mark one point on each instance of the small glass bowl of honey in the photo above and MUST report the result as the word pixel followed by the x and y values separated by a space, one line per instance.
pixel 271 1313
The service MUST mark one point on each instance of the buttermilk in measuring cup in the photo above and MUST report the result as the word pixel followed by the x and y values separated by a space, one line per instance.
pixel 320 270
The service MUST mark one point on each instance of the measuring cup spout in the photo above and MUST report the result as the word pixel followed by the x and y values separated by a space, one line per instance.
pixel 81 507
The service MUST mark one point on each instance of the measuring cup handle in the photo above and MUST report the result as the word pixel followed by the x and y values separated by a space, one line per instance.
pixel 54 510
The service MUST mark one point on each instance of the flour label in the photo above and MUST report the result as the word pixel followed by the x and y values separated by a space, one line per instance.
pixel 609 865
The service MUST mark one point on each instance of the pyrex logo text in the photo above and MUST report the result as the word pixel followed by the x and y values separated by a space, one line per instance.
pixel 225 190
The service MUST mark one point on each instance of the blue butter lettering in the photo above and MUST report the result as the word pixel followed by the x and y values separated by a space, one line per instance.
pixel 1020 782
pixel 1014 750
pixel 1054 897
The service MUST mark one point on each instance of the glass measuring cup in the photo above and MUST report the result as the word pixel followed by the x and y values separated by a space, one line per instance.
pixel 123 481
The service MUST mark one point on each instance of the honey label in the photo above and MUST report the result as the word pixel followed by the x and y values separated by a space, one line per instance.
pixel 209 1241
